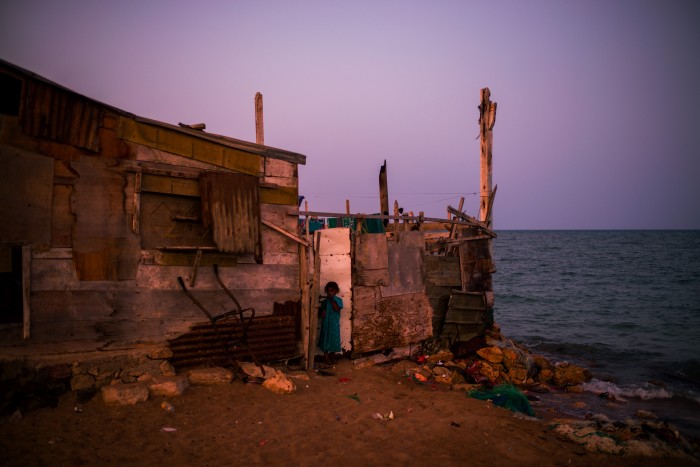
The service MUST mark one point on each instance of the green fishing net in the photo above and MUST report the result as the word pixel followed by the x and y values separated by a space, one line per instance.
pixel 505 395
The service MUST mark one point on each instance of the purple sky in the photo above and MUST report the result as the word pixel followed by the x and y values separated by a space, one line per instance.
pixel 598 122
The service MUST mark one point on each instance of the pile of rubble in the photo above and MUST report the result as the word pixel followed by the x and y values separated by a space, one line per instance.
pixel 497 361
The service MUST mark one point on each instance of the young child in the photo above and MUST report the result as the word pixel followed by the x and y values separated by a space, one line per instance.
pixel 329 338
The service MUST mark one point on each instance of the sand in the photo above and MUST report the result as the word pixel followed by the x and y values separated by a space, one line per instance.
pixel 330 420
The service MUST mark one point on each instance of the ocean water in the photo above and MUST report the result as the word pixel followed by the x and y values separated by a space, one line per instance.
pixel 625 304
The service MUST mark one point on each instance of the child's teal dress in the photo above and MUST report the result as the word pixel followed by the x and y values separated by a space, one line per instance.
pixel 329 339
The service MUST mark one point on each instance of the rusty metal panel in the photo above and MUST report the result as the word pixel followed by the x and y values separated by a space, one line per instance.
pixel 231 206
pixel 270 338
pixel 62 116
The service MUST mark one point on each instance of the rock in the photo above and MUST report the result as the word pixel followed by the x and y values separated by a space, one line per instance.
pixel 442 372
pixel 542 363
pixel 254 371
pixel 645 414
pixel 458 378
pixel 580 405
pixel 545 375
pixel 280 384
pixel 540 388
pixel 209 376
pixel 443 379
pixel 441 356
pixel 576 389
pixel 509 358
pixel 166 369
pixel 486 370
pixel 491 354
pixel 161 353
pixel 168 385
pixel 124 394
pixel 404 367
pixel 80 382
pixel 518 374
pixel 566 374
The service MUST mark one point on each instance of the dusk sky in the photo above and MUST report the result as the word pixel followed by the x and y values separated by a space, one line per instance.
pixel 598 122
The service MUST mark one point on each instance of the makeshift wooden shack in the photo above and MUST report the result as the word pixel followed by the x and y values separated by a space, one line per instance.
pixel 418 279
pixel 102 211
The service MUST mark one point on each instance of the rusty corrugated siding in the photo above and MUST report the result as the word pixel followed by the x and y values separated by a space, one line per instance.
pixel 61 116
pixel 269 338
pixel 231 206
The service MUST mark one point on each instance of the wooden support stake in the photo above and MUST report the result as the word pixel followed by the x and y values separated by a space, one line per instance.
pixel 347 207
pixel 489 212
pixel 313 302
pixel 285 233
pixel 26 289
pixel 383 193
pixel 195 268
pixel 306 208
pixel 135 226
pixel 305 305
pixel 487 119
pixel 396 217
pixel 259 130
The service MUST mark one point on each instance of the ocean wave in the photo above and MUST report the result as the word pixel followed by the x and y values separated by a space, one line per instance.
pixel 645 392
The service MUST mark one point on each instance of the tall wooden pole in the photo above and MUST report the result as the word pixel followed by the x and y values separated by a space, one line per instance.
pixel 383 193
pixel 487 119
pixel 259 130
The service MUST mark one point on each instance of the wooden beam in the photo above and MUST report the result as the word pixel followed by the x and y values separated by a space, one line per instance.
pixel 259 128
pixel 313 301
pixel 487 119
pixel 195 267
pixel 296 213
pixel 383 192
pixel 471 221
pixel 305 305
pixel 489 212
pixel 286 234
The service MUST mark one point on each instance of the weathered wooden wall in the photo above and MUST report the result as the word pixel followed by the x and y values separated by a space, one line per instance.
pixel 110 205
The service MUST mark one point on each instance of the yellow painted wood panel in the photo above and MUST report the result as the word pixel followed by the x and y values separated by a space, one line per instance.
pixel 189 146
pixel 170 185
pixel 279 195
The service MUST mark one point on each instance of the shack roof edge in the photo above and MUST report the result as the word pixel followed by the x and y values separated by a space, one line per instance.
pixel 259 149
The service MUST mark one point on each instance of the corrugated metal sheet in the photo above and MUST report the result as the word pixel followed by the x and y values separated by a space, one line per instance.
pixel 61 116
pixel 231 206
pixel 270 338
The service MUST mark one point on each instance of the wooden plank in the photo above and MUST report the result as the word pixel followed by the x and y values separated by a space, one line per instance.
pixel 26 289
pixel 289 235
pixel 195 267
pixel 170 185
pixel 313 303
pixel 383 191
pixel 259 127
pixel 305 305
pixel 288 196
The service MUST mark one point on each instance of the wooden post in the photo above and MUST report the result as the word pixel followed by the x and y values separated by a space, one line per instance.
pixel 487 119
pixel 383 193
pixel 396 217
pixel 305 304
pixel 347 207
pixel 313 301
pixel 26 289
pixel 259 130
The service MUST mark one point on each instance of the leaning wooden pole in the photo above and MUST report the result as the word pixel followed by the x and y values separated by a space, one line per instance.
pixel 383 192
pixel 259 129
pixel 487 119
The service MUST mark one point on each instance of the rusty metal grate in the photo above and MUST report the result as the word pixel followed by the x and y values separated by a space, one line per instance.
pixel 269 338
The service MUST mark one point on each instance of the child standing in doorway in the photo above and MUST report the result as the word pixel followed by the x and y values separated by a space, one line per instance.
pixel 329 338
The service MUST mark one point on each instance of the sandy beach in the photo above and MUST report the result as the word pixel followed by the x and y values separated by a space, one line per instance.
pixel 332 418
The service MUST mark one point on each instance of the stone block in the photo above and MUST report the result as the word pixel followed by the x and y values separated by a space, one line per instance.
pixel 168 386
pixel 441 356
pixel 124 394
